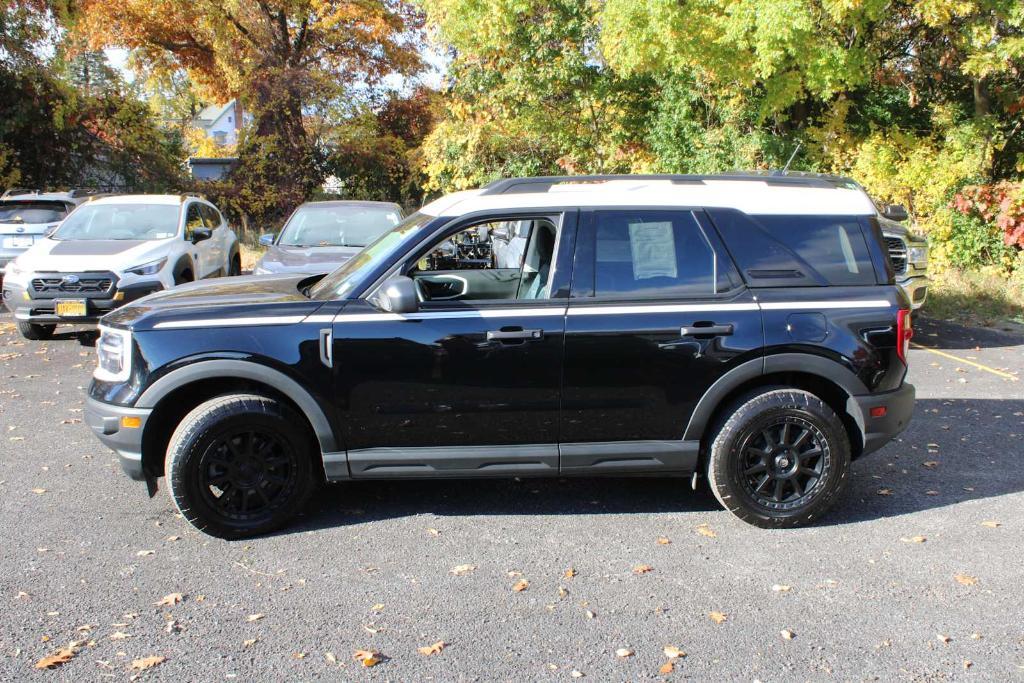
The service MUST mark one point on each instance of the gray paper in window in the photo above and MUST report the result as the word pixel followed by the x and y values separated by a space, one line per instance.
pixel 654 250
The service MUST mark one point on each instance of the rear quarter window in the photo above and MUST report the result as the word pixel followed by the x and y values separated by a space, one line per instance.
pixel 795 250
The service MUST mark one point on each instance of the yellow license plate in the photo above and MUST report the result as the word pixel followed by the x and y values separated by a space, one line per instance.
pixel 70 308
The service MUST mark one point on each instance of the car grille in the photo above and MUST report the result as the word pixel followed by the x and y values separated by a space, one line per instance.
pixel 897 254
pixel 95 284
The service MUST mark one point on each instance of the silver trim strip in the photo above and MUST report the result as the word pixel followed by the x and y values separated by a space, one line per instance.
pixel 530 312
pixel 804 305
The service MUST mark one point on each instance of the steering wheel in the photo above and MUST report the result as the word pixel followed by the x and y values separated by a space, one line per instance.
pixel 421 291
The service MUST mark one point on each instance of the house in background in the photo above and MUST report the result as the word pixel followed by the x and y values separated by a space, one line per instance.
pixel 211 168
pixel 221 122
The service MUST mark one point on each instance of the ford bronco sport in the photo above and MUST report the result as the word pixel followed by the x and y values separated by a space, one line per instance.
pixel 746 329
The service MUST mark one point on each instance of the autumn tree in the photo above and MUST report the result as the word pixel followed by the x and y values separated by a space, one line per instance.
pixel 282 58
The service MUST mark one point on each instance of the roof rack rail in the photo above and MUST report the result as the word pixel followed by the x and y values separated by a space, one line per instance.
pixel 545 183
pixel 87 192
pixel 14 191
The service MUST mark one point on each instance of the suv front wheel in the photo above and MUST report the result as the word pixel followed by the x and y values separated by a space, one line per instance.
pixel 35 332
pixel 240 465
pixel 779 459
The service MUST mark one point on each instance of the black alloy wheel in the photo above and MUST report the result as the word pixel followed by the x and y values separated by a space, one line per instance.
pixel 784 462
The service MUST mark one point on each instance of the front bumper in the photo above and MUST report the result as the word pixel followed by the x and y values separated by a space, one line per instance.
pixel 878 431
pixel 28 305
pixel 916 289
pixel 104 419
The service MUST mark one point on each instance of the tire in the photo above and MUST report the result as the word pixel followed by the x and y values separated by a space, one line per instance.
pixel 753 473
pixel 236 266
pixel 183 277
pixel 35 332
pixel 240 443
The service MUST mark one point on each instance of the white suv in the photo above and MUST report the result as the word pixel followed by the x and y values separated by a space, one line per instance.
pixel 113 250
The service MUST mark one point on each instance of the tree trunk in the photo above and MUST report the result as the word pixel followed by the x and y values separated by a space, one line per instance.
pixel 982 106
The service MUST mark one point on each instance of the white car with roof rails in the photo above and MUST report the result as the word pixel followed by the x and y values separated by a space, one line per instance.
pixel 26 216
pixel 113 250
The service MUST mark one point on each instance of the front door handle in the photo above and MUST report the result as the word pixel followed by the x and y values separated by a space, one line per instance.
pixel 709 329
pixel 515 335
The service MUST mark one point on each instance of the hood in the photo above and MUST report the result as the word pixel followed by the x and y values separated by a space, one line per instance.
pixel 248 297
pixel 79 255
pixel 283 259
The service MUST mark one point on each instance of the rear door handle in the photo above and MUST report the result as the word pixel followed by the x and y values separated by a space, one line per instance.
pixel 515 335
pixel 698 330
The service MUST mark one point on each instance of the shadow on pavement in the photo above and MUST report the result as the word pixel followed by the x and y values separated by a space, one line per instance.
pixel 954 451
pixel 942 334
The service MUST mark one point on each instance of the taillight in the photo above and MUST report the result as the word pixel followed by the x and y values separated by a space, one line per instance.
pixel 904 332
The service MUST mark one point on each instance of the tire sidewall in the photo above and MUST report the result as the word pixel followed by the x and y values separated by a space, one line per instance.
pixel 725 469
pixel 213 420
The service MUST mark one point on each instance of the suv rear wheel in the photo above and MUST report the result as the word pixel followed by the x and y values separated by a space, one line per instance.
pixel 240 465
pixel 35 332
pixel 779 459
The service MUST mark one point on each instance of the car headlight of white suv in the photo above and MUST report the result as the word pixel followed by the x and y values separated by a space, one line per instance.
pixel 151 268
pixel 918 255
pixel 113 355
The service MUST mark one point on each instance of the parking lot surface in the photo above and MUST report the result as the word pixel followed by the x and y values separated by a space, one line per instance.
pixel 915 575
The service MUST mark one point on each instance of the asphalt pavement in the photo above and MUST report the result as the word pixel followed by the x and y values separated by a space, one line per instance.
pixel 917 573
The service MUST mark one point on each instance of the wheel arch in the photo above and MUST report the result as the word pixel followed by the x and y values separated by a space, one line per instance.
pixel 820 376
pixel 172 397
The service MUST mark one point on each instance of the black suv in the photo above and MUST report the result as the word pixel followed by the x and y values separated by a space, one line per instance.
pixel 743 328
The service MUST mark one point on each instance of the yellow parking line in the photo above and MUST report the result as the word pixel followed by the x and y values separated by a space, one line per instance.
pixel 1000 373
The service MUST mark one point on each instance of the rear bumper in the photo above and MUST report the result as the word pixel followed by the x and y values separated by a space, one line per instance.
pixel 878 431
pixel 104 419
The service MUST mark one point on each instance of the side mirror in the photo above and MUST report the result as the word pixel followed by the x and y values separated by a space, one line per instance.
pixel 895 212
pixel 399 296
pixel 200 234
pixel 267 240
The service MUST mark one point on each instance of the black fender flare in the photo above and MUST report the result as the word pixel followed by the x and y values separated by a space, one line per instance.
pixel 183 263
pixel 782 362
pixel 234 369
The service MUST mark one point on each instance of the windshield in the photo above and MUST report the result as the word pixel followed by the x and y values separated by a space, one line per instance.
pixel 120 222
pixel 32 212
pixel 339 283
pixel 338 225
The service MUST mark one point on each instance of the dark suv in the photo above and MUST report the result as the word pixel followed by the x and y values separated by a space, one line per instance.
pixel 743 328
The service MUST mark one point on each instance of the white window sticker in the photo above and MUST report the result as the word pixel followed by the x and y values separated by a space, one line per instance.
pixel 654 250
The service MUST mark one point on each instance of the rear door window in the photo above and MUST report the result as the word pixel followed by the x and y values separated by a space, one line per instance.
pixel 649 254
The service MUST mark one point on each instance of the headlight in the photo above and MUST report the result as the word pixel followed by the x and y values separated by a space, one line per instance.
pixel 918 255
pixel 151 268
pixel 113 355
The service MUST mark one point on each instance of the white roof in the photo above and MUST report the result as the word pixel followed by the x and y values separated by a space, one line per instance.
pixel 140 199
pixel 751 196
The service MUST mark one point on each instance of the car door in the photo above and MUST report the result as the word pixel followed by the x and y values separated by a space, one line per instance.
pixel 199 251
pixel 657 314
pixel 215 247
pixel 469 385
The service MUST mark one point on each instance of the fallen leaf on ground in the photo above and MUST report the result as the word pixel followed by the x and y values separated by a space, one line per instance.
pixel 169 599
pixel 991 524
pixel 666 668
pixel 931 464
pixel 432 649
pixel 118 635
pixel 249 642
pixel 378 607
pixel 59 657
pixel 885 492
pixel 718 617
pixel 521 586
pixel 705 530
pixel 942 638
pixel 577 674
pixel 624 652
pixel 463 569
pixel 569 573
pixel 642 569
pixel 433 532
pixel 254 617
pixel 780 588
pixel 663 541
pixel 367 658
pixel 331 659
pixel 144 553
pixel 914 539
pixel 38 491
pixel 148 662
pixel 589 614
pixel 787 634
pixel 673 652
pixel 965 579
